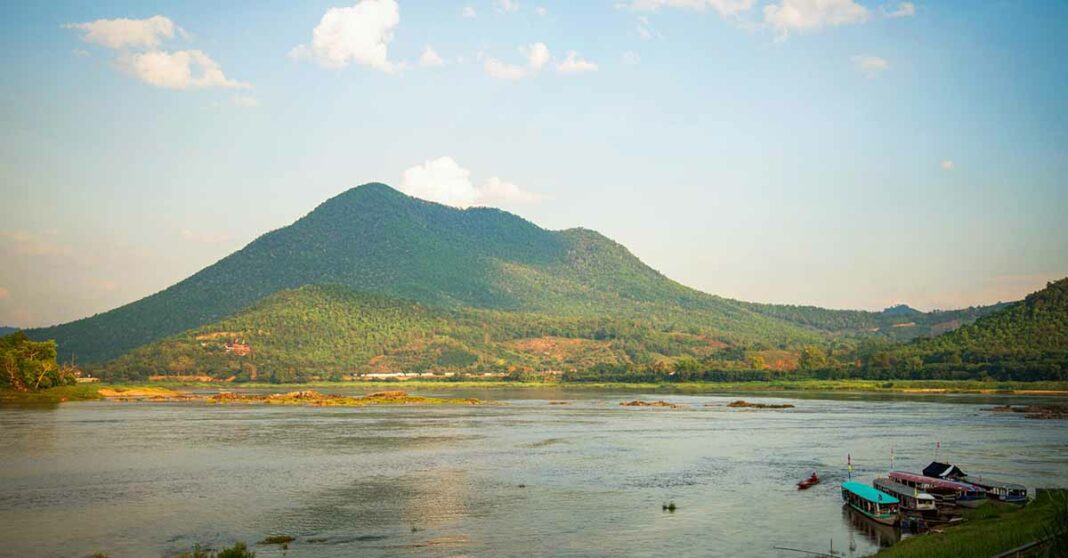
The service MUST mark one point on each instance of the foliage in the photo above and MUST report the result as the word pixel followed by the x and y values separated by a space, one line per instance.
pixel 988 531
pixel 239 550
pixel 27 365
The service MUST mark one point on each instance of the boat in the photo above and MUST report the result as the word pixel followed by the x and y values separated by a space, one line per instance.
pixel 945 492
pixel 809 482
pixel 913 501
pixel 995 490
pixel 876 505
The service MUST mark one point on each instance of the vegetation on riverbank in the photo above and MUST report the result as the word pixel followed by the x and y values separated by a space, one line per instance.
pixel 992 529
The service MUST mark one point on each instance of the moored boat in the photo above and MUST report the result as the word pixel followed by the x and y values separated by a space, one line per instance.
pixel 912 501
pixel 873 504
pixel 995 490
pixel 945 492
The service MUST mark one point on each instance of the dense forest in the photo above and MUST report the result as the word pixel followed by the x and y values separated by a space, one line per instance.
pixel 27 365
pixel 332 332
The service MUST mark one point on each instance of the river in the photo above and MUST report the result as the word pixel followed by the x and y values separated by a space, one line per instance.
pixel 518 478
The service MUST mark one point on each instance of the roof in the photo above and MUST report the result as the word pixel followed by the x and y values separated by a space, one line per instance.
pixel 933 481
pixel 896 487
pixel 943 470
pixel 868 493
pixel 995 484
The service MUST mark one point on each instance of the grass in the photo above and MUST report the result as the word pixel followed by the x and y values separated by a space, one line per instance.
pixel 79 392
pixel 986 531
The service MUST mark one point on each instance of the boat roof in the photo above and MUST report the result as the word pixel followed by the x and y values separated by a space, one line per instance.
pixel 940 483
pixel 898 488
pixel 868 493
pixel 943 470
pixel 995 484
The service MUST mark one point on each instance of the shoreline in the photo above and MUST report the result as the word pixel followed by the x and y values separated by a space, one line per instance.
pixel 903 388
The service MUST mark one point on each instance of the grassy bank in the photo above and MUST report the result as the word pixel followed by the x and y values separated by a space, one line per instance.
pixel 987 531
pixel 85 392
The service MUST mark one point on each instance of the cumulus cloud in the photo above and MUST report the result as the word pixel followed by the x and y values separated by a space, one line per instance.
pixel 724 7
pixel 22 243
pixel 468 11
pixel 631 58
pixel 870 66
pixel 430 58
pixel 904 9
pixel 506 5
pixel 360 33
pixel 811 15
pixel 540 10
pixel 575 65
pixel 444 181
pixel 537 55
pixel 645 31
pixel 138 42
pixel 127 33
pixel 947 165
pixel 184 69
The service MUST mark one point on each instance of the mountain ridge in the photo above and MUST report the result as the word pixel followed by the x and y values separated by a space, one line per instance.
pixel 375 239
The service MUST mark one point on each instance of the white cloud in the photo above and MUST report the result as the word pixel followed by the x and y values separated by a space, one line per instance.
pixel 575 65
pixel 127 33
pixel 871 66
pixel 22 243
pixel 430 58
pixel 631 58
pixel 811 15
pixel 724 7
pixel 175 70
pixel 246 101
pixel 360 33
pixel 500 70
pixel 904 9
pixel 537 55
pixel 506 5
pixel 444 181
pixel 80 52
pixel 645 31
pixel 540 10
pixel 468 11
pixel 947 165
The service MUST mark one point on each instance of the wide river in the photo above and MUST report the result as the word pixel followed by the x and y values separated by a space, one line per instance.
pixel 518 478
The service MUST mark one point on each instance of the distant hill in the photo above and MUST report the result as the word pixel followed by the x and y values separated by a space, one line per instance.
pixel 1029 337
pixel 377 240
pixel 6 330
pixel 899 323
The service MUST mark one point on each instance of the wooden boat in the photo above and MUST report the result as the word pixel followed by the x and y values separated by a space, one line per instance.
pixel 913 501
pixel 945 492
pixel 878 506
pixel 1003 491
pixel 809 482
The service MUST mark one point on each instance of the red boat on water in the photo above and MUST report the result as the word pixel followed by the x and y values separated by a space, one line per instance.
pixel 809 482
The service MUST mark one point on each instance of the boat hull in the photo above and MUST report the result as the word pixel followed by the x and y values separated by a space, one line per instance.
pixel 884 519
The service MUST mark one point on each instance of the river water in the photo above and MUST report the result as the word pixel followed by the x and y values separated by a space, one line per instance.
pixel 518 478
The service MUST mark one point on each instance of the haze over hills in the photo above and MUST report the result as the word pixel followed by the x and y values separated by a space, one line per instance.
pixel 375 240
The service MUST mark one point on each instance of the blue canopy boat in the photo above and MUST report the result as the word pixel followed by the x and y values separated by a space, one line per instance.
pixel 873 504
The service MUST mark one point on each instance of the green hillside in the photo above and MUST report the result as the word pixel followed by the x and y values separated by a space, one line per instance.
pixel 375 239
pixel 326 332
pixel 1026 339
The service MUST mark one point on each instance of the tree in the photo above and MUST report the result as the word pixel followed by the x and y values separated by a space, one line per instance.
pixel 812 358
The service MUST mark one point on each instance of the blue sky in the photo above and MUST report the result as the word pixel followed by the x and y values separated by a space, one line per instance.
pixel 848 154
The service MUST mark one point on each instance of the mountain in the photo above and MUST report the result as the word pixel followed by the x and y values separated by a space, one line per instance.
pixel 374 239
pixel 7 330
pixel 1024 340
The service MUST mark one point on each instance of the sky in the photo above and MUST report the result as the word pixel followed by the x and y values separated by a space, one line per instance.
pixel 840 153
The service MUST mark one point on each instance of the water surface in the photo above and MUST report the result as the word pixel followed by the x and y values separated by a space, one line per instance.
pixel 524 477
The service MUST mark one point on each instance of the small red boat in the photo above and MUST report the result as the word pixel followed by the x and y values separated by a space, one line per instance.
pixel 809 482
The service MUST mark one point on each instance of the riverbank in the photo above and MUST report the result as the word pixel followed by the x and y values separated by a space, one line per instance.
pixel 987 531
pixel 86 392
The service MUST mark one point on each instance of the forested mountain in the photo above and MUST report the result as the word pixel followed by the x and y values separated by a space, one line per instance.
pixel 1029 337
pixel 7 330
pixel 900 323
pixel 328 332
pixel 375 239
